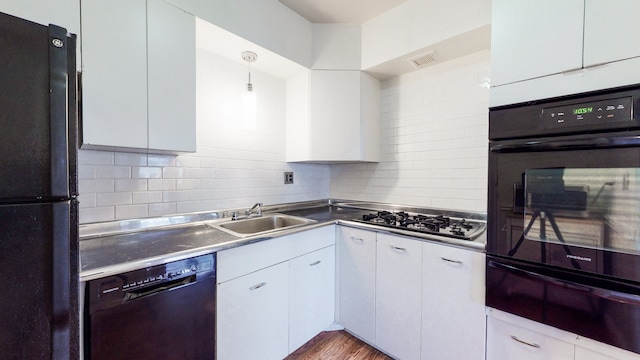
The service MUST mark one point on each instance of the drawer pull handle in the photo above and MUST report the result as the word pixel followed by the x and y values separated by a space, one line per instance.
pixel 534 345
pixel 357 238
pixel 398 248
pixel 258 286
pixel 315 263
pixel 451 261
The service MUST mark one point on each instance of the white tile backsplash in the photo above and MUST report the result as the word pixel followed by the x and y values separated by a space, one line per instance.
pixel 434 129
pixel 433 150
pixel 232 168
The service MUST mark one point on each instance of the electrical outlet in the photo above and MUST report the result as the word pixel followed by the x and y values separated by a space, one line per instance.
pixel 288 177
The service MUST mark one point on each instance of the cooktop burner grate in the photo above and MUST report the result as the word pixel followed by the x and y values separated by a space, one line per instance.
pixel 429 224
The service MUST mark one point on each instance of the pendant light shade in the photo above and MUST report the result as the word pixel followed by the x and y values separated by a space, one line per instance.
pixel 249 99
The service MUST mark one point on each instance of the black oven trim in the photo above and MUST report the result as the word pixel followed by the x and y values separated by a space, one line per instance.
pixel 590 306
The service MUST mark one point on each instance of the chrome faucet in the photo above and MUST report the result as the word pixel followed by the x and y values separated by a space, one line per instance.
pixel 257 207
pixel 247 214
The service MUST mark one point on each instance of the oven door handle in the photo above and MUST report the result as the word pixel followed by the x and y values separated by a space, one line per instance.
pixel 608 294
pixel 575 144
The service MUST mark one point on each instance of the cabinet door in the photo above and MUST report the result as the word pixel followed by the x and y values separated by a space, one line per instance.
pixel 334 98
pixel 114 79
pixel 398 296
pixel 357 282
pixel 608 26
pixel 172 77
pixel 311 296
pixel 453 312
pixel 534 38
pixel 506 341
pixel 253 315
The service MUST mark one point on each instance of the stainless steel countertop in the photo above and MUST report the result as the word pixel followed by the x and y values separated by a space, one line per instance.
pixel 113 248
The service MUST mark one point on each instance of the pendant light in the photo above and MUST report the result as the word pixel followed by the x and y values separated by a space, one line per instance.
pixel 249 100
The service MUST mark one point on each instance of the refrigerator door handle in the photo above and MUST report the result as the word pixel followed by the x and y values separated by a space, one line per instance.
pixel 58 111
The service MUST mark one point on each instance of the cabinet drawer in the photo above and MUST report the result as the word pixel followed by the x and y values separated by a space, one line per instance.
pixel 506 341
pixel 242 260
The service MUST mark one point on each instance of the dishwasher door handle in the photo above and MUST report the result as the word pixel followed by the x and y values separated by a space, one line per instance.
pixel 137 294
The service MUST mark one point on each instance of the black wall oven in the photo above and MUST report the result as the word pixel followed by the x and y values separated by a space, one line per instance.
pixel 563 234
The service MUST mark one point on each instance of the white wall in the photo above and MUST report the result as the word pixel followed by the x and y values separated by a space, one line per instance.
pixel 269 24
pixel 434 127
pixel 234 166
pixel 416 24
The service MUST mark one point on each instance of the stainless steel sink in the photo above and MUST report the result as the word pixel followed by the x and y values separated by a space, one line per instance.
pixel 262 224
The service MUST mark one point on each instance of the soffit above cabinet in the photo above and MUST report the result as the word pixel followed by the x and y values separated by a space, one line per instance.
pixel 219 41
pixel 340 11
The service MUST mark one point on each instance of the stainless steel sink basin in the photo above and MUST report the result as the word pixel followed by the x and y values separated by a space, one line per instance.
pixel 262 224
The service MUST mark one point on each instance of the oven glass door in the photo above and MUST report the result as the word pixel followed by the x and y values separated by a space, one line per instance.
pixel 567 203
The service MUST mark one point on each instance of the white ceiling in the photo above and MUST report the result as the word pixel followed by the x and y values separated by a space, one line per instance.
pixel 340 11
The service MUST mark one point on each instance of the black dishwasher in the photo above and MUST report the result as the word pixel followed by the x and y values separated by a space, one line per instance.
pixel 161 312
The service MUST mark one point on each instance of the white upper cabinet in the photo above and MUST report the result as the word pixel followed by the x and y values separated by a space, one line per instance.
pixel 333 116
pixel 138 76
pixel 171 61
pixel 530 39
pixel 114 77
pixel 609 30
pixel 545 48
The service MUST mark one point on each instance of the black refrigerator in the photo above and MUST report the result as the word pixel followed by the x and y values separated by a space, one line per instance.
pixel 38 192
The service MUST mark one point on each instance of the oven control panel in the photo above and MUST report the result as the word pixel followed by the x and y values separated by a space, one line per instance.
pixel 588 113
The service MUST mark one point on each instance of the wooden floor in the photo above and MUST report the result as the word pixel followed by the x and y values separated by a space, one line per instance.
pixel 336 345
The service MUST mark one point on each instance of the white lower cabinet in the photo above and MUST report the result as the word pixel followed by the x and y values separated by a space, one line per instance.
pixel 311 295
pixel 358 282
pixel 410 298
pixel 275 295
pixel 507 341
pixel 398 296
pixel 586 354
pixel 253 315
pixel 513 337
pixel 453 311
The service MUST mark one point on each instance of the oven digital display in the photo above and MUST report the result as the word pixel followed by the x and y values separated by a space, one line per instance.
pixel 597 114
pixel 582 110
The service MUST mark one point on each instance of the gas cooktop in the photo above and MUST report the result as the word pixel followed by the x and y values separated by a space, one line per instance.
pixel 438 225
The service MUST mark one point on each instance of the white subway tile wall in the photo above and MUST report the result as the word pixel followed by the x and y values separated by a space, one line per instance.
pixel 434 150
pixel 434 131
pixel 234 166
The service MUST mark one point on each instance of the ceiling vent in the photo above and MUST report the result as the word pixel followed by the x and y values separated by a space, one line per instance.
pixel 424 59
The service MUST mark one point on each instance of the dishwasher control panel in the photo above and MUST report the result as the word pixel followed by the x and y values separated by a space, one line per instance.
pixel 143 282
